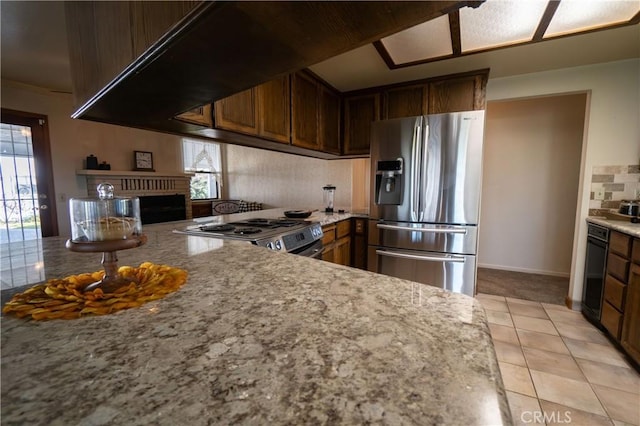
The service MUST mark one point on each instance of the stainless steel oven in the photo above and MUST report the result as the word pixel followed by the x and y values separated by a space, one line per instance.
pixel 594 271
pixel 293 236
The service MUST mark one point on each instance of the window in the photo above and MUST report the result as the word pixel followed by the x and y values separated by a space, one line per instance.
pixel 203 159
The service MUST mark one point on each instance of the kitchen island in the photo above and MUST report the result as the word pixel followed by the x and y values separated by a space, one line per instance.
pixel 253 337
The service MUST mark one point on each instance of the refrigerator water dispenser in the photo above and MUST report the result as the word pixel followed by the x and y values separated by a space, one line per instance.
pixel 389 182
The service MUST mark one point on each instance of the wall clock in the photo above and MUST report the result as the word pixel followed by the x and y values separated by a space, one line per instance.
pixel 143 161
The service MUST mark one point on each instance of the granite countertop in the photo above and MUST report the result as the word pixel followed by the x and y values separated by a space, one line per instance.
pixel 627 227
pixel 254 337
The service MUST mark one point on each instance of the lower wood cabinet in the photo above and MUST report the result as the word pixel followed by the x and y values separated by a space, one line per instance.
pixel 630 338
pixel 201 209
pixel 337 242
pixel 359 242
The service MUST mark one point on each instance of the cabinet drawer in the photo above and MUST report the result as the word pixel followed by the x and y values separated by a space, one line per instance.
pixel 329 234
pixel 635 253
pixel 618 267
pixel 614 292
pixel 620 244
pixel 343 228
pixel 611 319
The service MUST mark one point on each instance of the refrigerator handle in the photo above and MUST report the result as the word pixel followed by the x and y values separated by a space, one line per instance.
pixel 416 147
pixel 427 230
pixel 444 259
pixel 423 173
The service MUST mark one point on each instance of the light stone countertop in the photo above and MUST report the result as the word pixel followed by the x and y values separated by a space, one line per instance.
pixel 254 337
pixel 632 229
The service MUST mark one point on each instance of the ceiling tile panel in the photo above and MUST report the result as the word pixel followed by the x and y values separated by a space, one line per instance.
pixel 497 23
pixel 573 16
pixel 431 39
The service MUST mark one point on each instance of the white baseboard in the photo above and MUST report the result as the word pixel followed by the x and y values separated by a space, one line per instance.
pixel 526 270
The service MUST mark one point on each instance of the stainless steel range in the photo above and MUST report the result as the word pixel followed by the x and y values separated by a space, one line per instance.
pixel 287 235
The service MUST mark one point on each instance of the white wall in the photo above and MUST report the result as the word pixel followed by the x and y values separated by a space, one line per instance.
pixel 284 180
pixel 531 169
pixel 73 140
pixel 612 133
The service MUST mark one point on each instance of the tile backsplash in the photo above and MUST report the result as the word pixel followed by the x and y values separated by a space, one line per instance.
pixel 611 184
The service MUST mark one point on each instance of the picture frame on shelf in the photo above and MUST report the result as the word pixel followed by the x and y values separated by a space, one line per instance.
pixel 143 161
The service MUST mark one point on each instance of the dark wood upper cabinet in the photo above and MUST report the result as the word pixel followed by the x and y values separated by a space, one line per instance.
pixel 404 101
pixel 305 111
pixel 274 110
pixel 329 120
pixel 465 93
pixel 359 112
pixel 238 113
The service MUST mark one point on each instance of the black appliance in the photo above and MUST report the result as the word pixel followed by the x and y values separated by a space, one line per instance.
pixel 280 234
pixel 594 271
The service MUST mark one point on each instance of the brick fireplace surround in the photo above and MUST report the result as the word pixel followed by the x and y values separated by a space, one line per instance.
pixel 139 184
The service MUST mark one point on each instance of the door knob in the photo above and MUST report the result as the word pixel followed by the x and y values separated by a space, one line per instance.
pixel 44 207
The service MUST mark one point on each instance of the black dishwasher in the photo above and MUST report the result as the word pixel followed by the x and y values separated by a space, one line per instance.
pixel 594 271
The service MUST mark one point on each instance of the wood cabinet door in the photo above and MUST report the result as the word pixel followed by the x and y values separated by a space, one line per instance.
pixel 200 115
pixel 274 110
pixel 359 112
pixel 342 251
pixel 630 338
pixel 329 120
pixel 405 102
pixel 238 112
pixel 456 94
pixel 304 111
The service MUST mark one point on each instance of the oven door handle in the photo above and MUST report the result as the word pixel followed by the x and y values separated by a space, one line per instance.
pixel 317 253
pixel 445 258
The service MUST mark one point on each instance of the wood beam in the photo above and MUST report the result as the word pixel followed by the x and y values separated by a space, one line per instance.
pixel 552 6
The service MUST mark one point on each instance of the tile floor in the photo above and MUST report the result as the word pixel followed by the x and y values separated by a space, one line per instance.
pixel 557 368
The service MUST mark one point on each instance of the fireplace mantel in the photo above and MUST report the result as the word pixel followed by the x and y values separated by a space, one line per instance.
pixel 119 173
pixel 140 184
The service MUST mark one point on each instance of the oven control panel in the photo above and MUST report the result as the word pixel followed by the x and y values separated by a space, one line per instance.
pixel 294 239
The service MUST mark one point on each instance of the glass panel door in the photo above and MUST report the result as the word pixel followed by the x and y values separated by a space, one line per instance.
pixel 20 210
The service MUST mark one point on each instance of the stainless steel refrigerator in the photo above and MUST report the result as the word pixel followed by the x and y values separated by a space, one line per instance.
pixel 426 176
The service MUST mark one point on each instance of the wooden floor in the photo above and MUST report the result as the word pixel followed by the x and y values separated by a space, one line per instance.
pixel 519 285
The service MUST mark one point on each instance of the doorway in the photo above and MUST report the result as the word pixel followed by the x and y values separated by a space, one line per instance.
pixel 28 209
pixel 531 171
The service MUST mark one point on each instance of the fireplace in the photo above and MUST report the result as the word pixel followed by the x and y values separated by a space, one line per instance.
pixel 162 208
pixel 163 196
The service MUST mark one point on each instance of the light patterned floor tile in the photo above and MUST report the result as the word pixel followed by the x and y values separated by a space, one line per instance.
pixel 516 379
pixel 587 333
pixel 547 306
pixel 500 318
pixel 569 392
pixel 505 334
pixel 553 363
pixel 523 302
pixel 490 296
pixel 620 405
pixel 494 305
pixel 561 415
pixel 547 342
pixel 507 352
pixel 568 317
pixel 613 376
pixel 595 352
pixel 523 409
pixel 527 310
pixel 534 324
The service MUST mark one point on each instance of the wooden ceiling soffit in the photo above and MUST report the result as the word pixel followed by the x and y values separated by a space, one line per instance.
pixel 221 48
